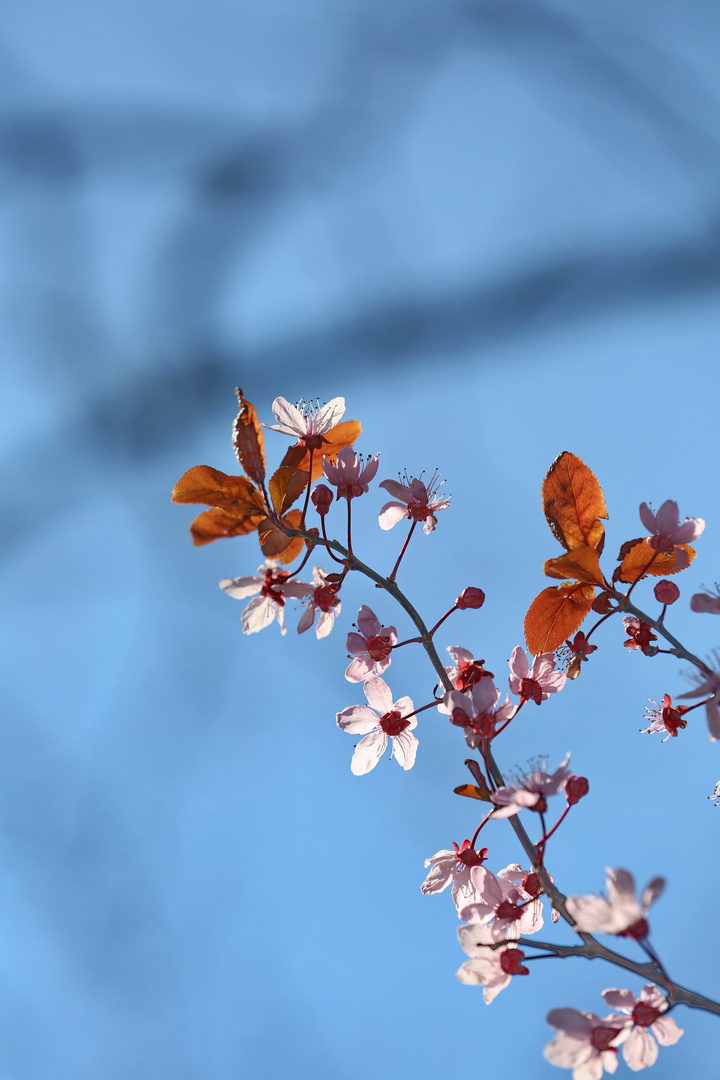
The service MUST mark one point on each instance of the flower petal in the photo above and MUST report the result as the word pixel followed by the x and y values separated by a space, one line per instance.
pixel 390 514
pixel 404 749
pixel 357 720
pixel 368 752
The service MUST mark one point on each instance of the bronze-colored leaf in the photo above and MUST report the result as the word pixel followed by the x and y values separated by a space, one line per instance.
pixel 642 560
pixel 285 485
pixel 275 544
pixel 555 614
pixel 248 440
pixel 218 523
pixel 203 484
pixel 472 792
pixel 581 564
pixel 574 503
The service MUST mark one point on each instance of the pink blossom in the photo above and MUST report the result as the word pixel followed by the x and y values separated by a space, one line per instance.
pixel 586 1043
pixel 466 670
pixel 325 600
pixel 489 968
pixel 639 1047
pixel 307 421
pixel 453 866
pixel 665 718
pixel 273 586
pixel 477 711
pixel 384 720
pixel 620 913
pixel 667 532
pixel 348 474
pixel 372 646
pixel 708 686
pixel 531 790
pixel 412 500
pixel 536 683
pixel 706 601
pixel 503 902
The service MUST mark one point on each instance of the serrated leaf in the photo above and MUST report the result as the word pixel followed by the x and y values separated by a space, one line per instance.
pixel 248 440
pixel 581 564
pixel 472 792
pixel 285 485
pixel 573 502
pixel 343 434
pixel 641 560
pixel 203 484
pixel 555 614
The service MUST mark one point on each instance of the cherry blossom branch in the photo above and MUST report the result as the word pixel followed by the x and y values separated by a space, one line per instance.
pixel 591 949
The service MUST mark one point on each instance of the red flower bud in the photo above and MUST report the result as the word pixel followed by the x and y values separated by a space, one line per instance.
pixel 471 597
pixel 322 498
pixel 666 592
pixel 575 788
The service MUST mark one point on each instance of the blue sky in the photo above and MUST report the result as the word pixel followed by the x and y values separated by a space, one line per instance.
pixel 493 229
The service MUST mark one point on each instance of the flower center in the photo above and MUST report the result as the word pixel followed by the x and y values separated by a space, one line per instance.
pixel 325 597
pixel 470 673
pixel 644 1015
pixel 530 690
pixel 393 723
pixel 418 511
pixel 508 910
pixel 603 1036
pixel 270 589
pixel 637 930
pixel 379 646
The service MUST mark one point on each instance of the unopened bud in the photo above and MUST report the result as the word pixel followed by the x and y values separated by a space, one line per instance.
pixel 575 788
pixel 666 592
pixel 322 498
pixel 471 597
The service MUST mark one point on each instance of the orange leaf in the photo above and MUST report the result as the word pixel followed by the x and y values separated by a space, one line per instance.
pixel 574 503
pixel 285 485
pixel 248 440
pixel 581 564
pixel 275 544
pixel 217 523
pixel 641 559
pixel 555 614
pixel 343 434
pixel 203 484
pixel 472 792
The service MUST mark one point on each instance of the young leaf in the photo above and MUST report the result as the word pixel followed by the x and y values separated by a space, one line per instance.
pixel 203 484
pixel 285 485
pixel 218 523
pixel 582 564
pixel 555 614
pixel 275 544
pixel 574 503
pixel 248 440
pixel 640 559
pixel 472 792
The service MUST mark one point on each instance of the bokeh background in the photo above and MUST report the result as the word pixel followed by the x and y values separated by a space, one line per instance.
pixel 494 227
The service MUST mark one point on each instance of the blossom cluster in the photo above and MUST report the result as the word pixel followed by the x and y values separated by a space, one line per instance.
pixel 500 913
